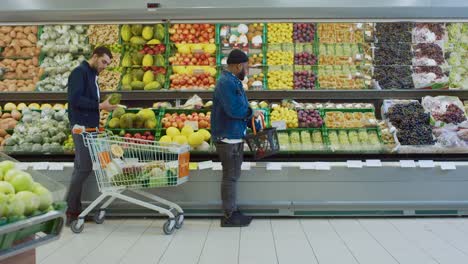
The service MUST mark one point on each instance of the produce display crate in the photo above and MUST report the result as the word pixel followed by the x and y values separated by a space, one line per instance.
pixel 355 28
pixel 309 68
pixel 324 111
pixel 171 50
pixel 212 148
pixel 250 45
pixel 300 147
pixel 170 72
pixel 360 74
pixel 126 69
pixel 155 131
pixel 162 131
pixel 165 111
pixel 355 148
pixel 20 234
pixel 166 32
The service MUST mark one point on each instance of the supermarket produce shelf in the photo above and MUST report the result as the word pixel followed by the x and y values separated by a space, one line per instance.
pixel 252 95
pixel 280 157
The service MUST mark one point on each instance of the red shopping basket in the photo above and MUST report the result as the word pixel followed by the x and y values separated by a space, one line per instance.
pixel 263 143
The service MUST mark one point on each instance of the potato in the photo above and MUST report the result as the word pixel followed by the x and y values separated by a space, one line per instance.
pixel 21 35
pixel 18 29
pixel 32 38
pixel 13 34
pixel 5 29
pixel 25 43
pixel 7 39
pixel 34 30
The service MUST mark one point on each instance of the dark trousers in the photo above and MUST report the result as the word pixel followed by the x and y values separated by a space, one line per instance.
pixel 231 156
pixel 83 168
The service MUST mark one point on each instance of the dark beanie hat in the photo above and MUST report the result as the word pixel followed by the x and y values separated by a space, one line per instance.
pixel 236 57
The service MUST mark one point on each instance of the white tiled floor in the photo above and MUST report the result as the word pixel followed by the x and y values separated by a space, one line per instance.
pixel 269 241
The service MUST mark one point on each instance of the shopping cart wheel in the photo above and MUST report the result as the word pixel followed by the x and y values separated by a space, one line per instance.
pixel 179 221
pixel 169 226
pixel 74 227
pixel 100 216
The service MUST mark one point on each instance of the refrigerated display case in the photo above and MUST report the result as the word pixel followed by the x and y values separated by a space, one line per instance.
pixel 344 69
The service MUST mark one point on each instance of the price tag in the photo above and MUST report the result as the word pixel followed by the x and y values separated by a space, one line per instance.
pixel 426 164
pixel 198 71
pixel 56 166
pixel 40 166
pixel 307 166
pixel 246 166
pixel 357 164
pixel 273 166
pixel 448 166
pixel 217 166
pixel 322 166
pixel 373 163
pixel 407 164
pixel 193 166
pixel 22 166
pixel 279 125
pixel 193 124
pixel 205 165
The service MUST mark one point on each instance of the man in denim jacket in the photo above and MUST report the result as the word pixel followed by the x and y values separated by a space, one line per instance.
pixel 229 118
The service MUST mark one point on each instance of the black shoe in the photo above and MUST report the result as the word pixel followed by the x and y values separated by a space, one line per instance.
pixel 237 219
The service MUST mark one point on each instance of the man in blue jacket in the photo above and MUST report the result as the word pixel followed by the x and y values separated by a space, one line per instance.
pixel 229 118
pixel 83 110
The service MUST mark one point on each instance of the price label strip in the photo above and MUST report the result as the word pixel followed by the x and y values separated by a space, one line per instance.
pixel 407 164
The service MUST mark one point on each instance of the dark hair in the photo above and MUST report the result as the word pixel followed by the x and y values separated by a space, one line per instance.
pixel 101 51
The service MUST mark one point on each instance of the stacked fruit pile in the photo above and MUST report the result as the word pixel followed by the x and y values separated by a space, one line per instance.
pixel 194 56
pixel 178 120
pixel 20 195
pixel 192 33
pixel 285 114
pixel 20 58
pixel 197 140
pixel 193 77
pixel 412 122
pixel 340 51
pixel 354 139
pixel 65 47
pixel 144 57
pixel 337 119
pixel 142 119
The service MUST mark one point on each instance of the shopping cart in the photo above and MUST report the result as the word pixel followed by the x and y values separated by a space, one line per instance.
pixel 124 164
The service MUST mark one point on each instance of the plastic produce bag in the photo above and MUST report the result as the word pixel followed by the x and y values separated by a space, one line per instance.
pixel 194 102
pixel 451 139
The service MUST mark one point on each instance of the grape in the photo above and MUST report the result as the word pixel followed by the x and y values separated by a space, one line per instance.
pixel 453 114
pixel 412 122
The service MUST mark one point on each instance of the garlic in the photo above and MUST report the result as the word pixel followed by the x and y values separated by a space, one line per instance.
pixel 242 29
pixel 233 39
